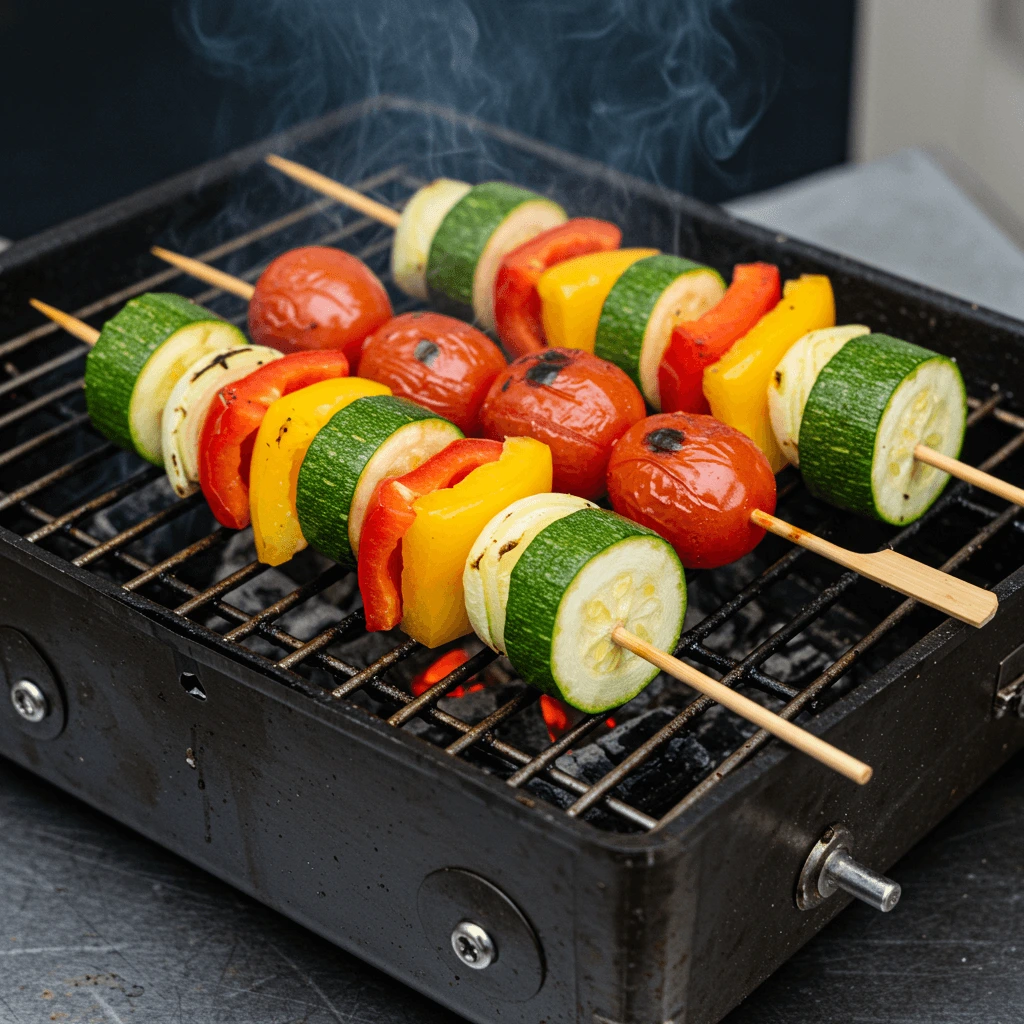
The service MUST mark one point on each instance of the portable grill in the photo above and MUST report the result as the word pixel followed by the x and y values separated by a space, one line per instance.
pixel 651 868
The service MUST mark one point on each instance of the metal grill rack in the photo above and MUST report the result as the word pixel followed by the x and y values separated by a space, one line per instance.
pixel 58 476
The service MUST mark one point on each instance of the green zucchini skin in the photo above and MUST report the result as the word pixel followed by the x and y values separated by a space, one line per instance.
pixel 461 239
pixel 335 460
pixel 123 348
pixel 622 326
pixel 540 579
pixel 844 410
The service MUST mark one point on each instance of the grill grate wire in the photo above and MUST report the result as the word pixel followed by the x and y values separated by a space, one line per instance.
pixel 519 767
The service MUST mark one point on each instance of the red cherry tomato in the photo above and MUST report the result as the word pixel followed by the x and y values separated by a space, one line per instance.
pixel 694 480
pixel 577 404
pixel 438 361
pixel 317 297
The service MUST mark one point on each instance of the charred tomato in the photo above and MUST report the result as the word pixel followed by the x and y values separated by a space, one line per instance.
pixel 694 480
pixel 577 404
pixel 442 363
pixel 317 297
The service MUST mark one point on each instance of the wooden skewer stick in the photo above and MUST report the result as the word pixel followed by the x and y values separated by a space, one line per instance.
pixel 342 193
pixel 785 730
pixel 79 328
pixel 932 587
pixel 976 477
pixel 204 272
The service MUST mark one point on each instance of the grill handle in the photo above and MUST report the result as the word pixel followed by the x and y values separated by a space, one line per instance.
pixel 842 871
pixel 831 866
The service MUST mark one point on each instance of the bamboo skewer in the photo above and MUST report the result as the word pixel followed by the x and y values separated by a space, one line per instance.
pixel 335 190
pixel 975 477
pixel 785 730
pixel 79 328
pixel 204 272
pixel 937 589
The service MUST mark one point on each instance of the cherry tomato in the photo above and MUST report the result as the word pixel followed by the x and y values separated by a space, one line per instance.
pixel 438 361
pixel 317 297
pixel 577 404
pixel 694 480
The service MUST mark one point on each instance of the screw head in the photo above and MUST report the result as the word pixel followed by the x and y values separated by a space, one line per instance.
pixel 473 946
pixel 29 701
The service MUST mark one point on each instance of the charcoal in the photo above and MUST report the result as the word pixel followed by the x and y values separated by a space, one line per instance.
pixel 720 732
pixel 625 738
pixel 587 764
pixel 667 776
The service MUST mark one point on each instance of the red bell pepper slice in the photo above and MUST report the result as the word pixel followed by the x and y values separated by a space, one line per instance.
pixel 755 290
pixel 231 425
pixel 391 513
pixel 517 307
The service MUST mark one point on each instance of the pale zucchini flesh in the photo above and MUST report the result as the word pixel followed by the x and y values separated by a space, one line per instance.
pixel 189 401
pixel 795 376
pixel 576 579
pixel 407 448
pixel 415 232
pixel 688 298
pixel 165 367
pixel 525 222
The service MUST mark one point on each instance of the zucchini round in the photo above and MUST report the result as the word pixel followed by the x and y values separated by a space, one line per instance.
pixel 415 232
pixel 472 240
pixel 873 402
pixel 794 377
pixel 497 550
pixel 645 303
pixel 189 402
pixel 369 440
pixel 127 385
pixel 576 579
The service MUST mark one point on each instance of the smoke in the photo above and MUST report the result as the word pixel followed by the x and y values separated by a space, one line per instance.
pixel 665 89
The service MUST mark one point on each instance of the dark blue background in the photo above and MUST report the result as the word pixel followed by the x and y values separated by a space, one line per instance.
pixel 105 97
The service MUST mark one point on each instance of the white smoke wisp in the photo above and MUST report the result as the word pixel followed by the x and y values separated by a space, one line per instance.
pixel 665 89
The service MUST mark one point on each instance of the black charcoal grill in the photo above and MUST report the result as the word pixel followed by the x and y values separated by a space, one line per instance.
pixel 651 868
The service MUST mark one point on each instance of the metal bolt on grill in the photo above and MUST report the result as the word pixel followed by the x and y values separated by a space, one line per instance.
pixel 66 488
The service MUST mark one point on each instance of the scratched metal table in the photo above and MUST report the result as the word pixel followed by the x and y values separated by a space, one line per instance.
pixel 97 924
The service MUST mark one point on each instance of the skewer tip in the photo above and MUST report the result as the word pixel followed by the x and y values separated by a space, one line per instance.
pixel 79 328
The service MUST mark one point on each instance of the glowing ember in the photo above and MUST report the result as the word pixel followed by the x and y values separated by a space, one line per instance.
pixel 556 716
pixel 439 669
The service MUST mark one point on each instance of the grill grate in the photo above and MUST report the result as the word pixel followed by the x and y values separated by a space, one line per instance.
pixel 104 511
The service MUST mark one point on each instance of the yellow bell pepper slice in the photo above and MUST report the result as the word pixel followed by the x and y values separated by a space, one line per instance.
pixel 572 294
pixel 736 387
pixel 287 430
pixel 448 521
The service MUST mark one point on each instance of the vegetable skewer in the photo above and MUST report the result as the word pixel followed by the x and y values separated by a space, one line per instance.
pixel 785 730
pixel 948 594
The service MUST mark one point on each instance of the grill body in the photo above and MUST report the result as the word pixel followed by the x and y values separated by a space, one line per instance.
pixel 380 841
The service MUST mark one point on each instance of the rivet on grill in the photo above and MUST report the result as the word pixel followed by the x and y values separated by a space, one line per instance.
pixel 473 946
pixel 29 701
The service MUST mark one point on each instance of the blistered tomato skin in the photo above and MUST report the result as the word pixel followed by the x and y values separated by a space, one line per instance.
pixel 440 362
pixel 317 297
pixel 695 481
pixel 577 404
